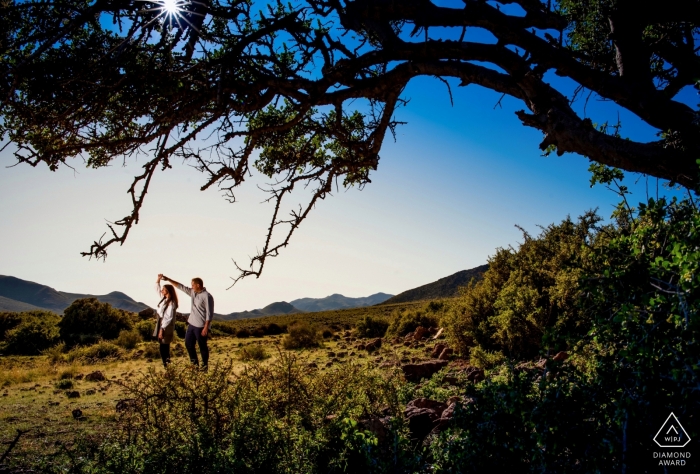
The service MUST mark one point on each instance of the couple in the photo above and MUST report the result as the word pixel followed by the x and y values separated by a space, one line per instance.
pixel 197 324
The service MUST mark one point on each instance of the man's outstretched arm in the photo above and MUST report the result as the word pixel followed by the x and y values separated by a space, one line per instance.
pixel 179 285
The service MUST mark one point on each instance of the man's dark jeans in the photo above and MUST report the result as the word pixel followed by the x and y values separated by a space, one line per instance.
pixel 194 334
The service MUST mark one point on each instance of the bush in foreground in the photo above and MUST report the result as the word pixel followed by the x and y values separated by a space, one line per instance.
pixel 278 419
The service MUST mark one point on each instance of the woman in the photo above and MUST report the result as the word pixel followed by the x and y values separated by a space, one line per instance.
pixel 165 327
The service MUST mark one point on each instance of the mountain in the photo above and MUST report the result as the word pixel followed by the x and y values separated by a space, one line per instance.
pixel 14 306
pixel 281 307
pixel 337 301
pixel 115 298
pixel 443 288
pixel 16 292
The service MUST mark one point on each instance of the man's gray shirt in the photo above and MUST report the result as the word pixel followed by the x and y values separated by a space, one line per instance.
pixel 202 306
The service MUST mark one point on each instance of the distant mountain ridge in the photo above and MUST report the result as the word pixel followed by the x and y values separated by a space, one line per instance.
pixel 338 301
pixel 22 295
pixel 443 288
pixel 280 307
pixel 309 305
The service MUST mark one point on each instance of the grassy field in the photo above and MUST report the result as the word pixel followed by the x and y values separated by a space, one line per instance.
pixel 36 395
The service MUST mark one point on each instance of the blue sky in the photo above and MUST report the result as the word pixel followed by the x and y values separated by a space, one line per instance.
pixel 446 194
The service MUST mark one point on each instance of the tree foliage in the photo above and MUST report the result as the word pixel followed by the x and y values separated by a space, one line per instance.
pixel 281 81
pixel 635 361
pixel 527 301
pixel 87 320
pixel 28 333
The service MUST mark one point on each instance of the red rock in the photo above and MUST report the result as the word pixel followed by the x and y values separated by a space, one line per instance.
pixel 420 333
pixel 446 353
pixel 95 376
pixel 415 372
pixel 437 350
pixel 475 374
pixel 561 356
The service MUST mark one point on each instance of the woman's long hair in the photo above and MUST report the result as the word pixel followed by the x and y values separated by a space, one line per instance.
pixel 171 298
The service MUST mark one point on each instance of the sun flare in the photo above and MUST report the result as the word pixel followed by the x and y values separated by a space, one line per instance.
pixel 172 7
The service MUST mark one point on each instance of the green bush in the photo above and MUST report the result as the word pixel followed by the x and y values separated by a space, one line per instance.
pixel 151 350
pixel 243 333
pixel 273 329
pixel 527 301
pixel 599 410
pixel 8 321
pixel 64 384
pixel 265 420
pixel 403 322
pixel 253 352
pixel 145 329
pixel 88 319
pixel 54 354
pixel 181 329
pixel 128 339
pixel 371 327
pixel 302 335
pixel 28 333
pixel 99 352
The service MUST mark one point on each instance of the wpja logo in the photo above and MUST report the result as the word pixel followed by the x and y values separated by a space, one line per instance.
pixel 672 435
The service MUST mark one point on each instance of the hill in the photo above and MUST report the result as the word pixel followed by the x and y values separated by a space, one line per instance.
pixel 16 292
pixel 280 307
pixel 443 288
pixel 337 301
pixel 14 306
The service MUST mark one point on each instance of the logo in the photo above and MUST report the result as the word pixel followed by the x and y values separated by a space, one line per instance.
pixel 672 434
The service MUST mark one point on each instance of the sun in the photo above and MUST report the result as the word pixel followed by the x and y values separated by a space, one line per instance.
pixel 172 7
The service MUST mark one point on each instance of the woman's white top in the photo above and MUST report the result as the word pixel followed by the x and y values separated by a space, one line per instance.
pixel 165 312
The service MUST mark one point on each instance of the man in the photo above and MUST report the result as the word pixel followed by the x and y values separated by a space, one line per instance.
pixel 198 323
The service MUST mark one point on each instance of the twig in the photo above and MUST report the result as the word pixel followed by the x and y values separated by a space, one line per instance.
pixel 12 444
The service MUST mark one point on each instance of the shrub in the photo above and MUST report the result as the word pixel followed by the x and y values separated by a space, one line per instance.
pixel 181 329
pixel 267 419
pixel 403 322
pixel 8 321
pixel 243 333
pixel 128 339
pixel 145 329
pixel 326 333
pixel 273 329
pixel 479 357
pixel 88 318
pixel 101 351
pixel 54 354
pixel 29 333
pixel 371 327
pixel 258 332
pixel 64 384
pixel 253 352
pixel 301 335
pixel 68 373
pixel 151 350
pixel 526 302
